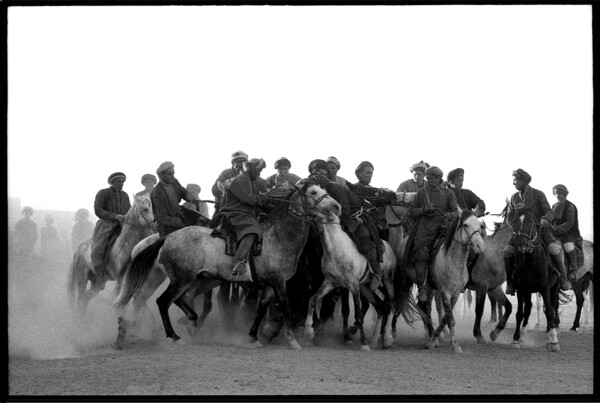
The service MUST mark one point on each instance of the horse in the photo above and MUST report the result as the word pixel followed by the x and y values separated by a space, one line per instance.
pixel 139 223
pixel 535 273
pixel 344 266
pixel 192 257
pixel 448 274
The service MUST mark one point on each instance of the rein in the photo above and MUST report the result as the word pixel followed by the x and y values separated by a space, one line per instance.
pixel 532 238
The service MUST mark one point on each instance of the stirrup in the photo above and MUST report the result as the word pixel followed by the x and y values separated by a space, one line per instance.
pixel 235 271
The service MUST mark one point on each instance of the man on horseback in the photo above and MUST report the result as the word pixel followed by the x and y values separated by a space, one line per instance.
pixel 413 185
pixel 237 162
pixel 241 206
pixel 536 201
pixel 566 225
pixel 166 196
pixel 334 167
pixel 111 206
pixel 283 177
pixel 433 208
pixel 148 181
pixel 354 219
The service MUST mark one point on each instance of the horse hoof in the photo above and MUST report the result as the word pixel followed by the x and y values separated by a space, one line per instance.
pixel 457 349
pixel 349 343
pixel 554 347
pixel 493 335
pixel 309 333
pixel 387 342
pixel 516 344
pixel 481 340
pixel 365 347
pixel 179 342
pixel 574 329
pixel 119 345
pixel 294 345
pixel 255 344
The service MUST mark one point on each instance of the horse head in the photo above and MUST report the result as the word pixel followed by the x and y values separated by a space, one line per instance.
pixel 316 201
pixel 468 230
pixel 140 214
pixel 524 226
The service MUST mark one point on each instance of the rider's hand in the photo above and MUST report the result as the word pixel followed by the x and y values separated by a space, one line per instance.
pixel 544 221
pixel 429 208
pixel 120 217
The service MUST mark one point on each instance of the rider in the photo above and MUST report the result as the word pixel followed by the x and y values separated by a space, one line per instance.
pixel 240 205
pixel 354 219
pixel 166 196
pixel 433 207
pixel 200 207
pixel 417 182
pixel 149 181
pixel 111 205
pixel 237 161
pixel 83 228
pixel 334 167
pixel 283 177
pixel 567 227
pixel 536 201
pixel 465 198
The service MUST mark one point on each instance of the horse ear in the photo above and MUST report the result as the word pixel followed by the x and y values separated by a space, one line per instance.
pixel 459 210
pixel 476 210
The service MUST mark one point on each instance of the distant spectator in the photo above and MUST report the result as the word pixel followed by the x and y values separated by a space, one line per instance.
pixel 149 181
pixel 26 234
pixel 49 237
pixel 201 207
pixel 83 228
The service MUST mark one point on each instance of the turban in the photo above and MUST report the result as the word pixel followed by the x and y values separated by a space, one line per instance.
pixel 334 161
pixel 362 166
pixel 282 162
pixel 560 189
pixel 419 165
pixel 256 163
pixel 164 166
pixel 239 156
pixel 455 172
pixel 316 165
pixel 148 177
pixel 116 175
pixel 192 186
pixel 434 171
pixel 521 174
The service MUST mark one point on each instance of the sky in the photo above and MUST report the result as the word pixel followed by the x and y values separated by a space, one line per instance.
pixel 95 90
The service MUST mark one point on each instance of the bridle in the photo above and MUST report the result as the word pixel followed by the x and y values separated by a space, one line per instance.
pixel 144 225
pixel 532 239
pixel 469 236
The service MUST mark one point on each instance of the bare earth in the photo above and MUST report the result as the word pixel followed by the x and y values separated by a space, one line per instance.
pixel 49 356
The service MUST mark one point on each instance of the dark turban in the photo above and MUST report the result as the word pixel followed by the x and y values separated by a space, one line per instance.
pixel 334 161
pixel 282 162
pixel 455 172
pixel 116 175
pixel 164 166
pixel 434 171
pixel 316 165
pixel 521 174
pixel 256 163
pixel 362 166
pixel 419 165
pixel 239 156
pixel 560 189
pixel 148 177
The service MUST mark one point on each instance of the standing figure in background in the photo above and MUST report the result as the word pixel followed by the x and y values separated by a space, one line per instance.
pixel 26 234
pixel 149 181
pixel 202 207
pixel 82 230
pixel 237 163
pixel 49 237
pixel 111 206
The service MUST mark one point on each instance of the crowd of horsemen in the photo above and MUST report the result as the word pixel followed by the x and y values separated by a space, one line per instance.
pixel 242 196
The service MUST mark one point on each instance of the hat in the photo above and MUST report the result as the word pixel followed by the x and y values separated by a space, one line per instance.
pixel 116 175
pixel 434 171
pixel 455 172
pixel 521 174
pixel 335 161
pixel 239 156
pixel 560 189
pixel 148 177
pixel 257 163
pixel 316 165
pixel 192 186
pixel 164 166
pixel 362 166
pixel 282 162
pixel 419 165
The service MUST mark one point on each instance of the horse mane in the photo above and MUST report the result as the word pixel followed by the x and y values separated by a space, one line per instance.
pixel 466 213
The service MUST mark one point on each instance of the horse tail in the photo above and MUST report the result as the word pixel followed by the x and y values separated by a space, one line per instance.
pixel 406 305
pixel 133 276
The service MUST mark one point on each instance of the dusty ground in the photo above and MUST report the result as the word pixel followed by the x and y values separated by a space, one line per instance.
pixel 49 356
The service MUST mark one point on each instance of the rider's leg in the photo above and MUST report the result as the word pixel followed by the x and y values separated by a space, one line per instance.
pixel 509 264
pixel 239 261
pixel 421 262
pixel 572 259
pixel 557 259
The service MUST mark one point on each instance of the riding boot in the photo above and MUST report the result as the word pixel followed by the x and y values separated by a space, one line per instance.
pixel 572 259
pixel 376 279
pixel 509 264
pixel 565 285
pixel 239 260
pixel 421 277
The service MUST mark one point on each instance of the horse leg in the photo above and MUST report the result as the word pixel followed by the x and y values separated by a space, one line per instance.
pixel 526 313
pixel 280 290
pixel 449 303
pixel 550 297
pixel 206 307
pixel 358 316
pixel 538 309
pixel 439 306
pixel 324 289
pixel 261 309
pixel 345 299
pixel 479 305
pixel 173 292
pixel 223 297
pixel 369 297
pixel 494 313
pixel 500 300
pixel 519 317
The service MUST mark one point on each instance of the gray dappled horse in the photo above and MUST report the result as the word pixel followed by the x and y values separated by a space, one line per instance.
pixel 192 257
pixel 139 223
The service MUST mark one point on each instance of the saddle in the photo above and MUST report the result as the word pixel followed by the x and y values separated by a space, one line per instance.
pixel 222 228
